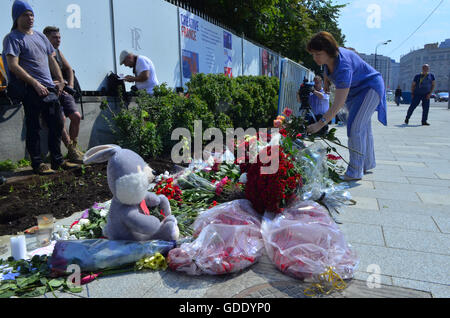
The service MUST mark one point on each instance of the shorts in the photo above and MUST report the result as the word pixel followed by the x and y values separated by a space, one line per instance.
pixel 68 105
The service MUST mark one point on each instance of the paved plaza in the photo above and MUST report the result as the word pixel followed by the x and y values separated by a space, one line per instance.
pixel 400 227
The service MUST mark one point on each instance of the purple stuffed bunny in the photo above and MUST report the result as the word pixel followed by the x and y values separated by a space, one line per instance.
pixel 129 178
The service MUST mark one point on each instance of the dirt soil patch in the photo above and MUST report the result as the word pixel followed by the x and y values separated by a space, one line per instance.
pixel 61 194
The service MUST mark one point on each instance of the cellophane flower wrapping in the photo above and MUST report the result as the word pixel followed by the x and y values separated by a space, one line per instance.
pixel 92 255
pixel 303 241
pixel 316 182
pixel 228 241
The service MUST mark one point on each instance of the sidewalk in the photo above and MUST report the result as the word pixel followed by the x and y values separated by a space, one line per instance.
pixel 400 226
pixel 402 218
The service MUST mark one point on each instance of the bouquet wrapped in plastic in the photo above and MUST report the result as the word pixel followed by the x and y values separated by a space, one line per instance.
pixel 92 255
pixel 317 185
pixel 229 240
pixel 304 242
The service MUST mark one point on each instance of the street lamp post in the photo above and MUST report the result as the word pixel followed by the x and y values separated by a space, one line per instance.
pixel 376 48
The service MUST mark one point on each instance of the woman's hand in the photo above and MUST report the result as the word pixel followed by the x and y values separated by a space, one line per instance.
pixel 314 128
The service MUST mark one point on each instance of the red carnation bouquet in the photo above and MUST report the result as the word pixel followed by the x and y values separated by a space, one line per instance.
pixel 272 191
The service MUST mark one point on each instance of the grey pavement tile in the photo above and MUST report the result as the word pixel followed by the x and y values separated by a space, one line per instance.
pixel 443 223
pixel 387 194
pixel 385 177
pixel 400 206
pixel 420 241
pixel 363 233
pixel 368 277
pixel 405 264
pixel 127 285
pixel 411 187
pixel 437 290
pixel 422 154
pixel 388 219
pixel 431 182
pixel 364 203
pixel 445 176
pixel 435 198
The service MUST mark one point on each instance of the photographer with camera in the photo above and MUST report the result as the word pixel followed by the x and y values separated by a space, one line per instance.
pixel 361 88
pixel 67 100
pixel 314 101
pixel 30 63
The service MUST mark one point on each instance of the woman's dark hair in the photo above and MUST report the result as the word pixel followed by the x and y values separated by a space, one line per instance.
pixel 323 41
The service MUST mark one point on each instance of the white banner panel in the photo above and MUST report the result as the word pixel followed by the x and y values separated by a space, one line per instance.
pixel 251 59
pixel 206 48
pixel 85 28
pixel 149 28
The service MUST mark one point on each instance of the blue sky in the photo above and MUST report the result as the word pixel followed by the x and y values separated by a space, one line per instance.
pixel 366 23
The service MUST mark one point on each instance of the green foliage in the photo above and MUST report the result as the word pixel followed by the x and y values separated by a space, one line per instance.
pixel 9 165
pixel 249 101
pixel 214 99
pixel 34 280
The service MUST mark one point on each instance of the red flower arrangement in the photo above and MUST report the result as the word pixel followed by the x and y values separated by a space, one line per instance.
pixel 271 192
pixel 167 188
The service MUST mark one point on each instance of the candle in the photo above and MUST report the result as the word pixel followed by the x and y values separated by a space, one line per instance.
pixel 18 247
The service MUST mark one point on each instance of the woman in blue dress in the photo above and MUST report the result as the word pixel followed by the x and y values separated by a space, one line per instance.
pixel 358 86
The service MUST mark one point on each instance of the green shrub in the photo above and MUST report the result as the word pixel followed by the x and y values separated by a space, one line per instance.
pixel 215 99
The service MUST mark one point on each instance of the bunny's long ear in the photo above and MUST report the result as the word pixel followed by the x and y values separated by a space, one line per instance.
pixel 100 153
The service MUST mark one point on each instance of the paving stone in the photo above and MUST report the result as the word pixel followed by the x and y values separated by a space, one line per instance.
pixel 412 208
pixel 427 267
pixel 401 163
pixel 382 218
pixel 363 233
pixel 431 182
pixel 437 290
pixel 443 223
pixel 386 194
pixel 364 203
pixel 445 176
pixel 437 243
pixel 394 186
pixel 434 198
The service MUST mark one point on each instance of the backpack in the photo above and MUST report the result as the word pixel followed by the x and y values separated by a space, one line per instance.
pixel 114 85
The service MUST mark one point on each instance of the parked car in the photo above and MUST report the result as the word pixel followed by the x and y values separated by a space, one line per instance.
pixel 433 95
pixel 442 97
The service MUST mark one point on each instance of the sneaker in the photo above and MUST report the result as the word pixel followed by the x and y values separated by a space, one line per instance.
pixel 425 124
pixel 43 170
pixel 66 165
pixel 406 121
pixel 73 154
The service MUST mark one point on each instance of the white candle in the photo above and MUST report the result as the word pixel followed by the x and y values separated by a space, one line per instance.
pixel 18 247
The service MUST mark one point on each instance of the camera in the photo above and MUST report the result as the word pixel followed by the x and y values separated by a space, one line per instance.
pixel 305 90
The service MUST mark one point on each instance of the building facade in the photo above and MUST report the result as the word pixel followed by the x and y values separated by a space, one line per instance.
pixel 438 57
pixel 388 68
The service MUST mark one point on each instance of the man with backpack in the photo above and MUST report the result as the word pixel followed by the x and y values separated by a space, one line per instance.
pixel 67 101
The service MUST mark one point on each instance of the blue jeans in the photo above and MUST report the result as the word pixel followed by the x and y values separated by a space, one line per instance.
pixel 34 107
pixel 425 106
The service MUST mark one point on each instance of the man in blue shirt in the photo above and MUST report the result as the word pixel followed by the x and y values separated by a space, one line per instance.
pixel 421 89
pixel 319 99
pixel 29 57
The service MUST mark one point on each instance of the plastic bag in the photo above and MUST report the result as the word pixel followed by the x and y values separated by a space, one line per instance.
pixel 317 185
pixel 92 255
pixel 229 240
pixel 304 241
pixel 237 212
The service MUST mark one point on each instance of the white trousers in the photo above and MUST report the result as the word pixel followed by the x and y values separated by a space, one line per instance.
pixel 360 142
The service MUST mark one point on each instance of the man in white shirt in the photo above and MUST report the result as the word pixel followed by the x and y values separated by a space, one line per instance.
pixel 143 69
